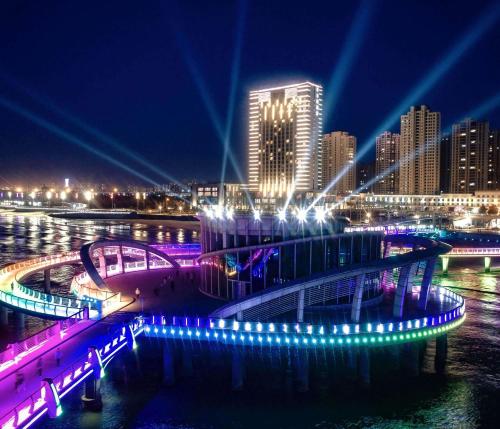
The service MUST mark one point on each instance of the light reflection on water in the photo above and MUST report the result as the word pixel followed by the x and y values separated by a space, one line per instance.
pixel 31 235
pixel 468 396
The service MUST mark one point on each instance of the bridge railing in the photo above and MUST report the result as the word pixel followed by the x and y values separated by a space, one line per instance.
pixel 342 333
pixel 15 352
pixel 35 405
pixel 36 295
pixel 474 251
pixel 38 306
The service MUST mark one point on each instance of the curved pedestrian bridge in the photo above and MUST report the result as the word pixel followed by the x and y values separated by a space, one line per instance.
pixel 89 289
pixel 300 315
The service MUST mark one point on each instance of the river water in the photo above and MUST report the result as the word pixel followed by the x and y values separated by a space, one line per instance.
pixel 468 395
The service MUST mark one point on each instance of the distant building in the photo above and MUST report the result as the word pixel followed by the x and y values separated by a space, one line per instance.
pixel 494 160
pixel 365 173
pixel 339 150
pixel 419 151
pixel 284 150
pixel 386 159
pixel 469 156
pixel 445 164
pixel 234 195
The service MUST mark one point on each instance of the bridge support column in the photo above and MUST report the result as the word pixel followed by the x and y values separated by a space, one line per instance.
pixel 20 320
pixel 92 390
pixel 302 367
pixel 46 281
pixel 412 275
pixel 4 316
pixel 102 264
pixel 168 364
pixel 240 292
pixel 119 260
pixel 446 261
pixel 357 298
pixel 404 274
pixel 146 259
pixel 54 408
pixel 412 359
pixel 300 306
pixel 387 249
pixel 364 366
pixel 441 353
pixel 238 369
pixel 187 360
pixel 487 264
pixel 426 283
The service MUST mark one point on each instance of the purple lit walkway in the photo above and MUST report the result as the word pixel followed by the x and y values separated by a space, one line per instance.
pixel 184 298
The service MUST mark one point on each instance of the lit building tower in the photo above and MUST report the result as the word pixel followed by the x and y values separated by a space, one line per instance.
pixel 284 151
pixel 339 149
pixel 469 156
pixel 494 160
pixel 387 155
pixel 419 151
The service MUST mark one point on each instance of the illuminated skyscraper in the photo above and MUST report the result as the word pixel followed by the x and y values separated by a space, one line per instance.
pixel 387 155
pixel 469 156
pixel 284 151
pixel 419 151
pixel 339 150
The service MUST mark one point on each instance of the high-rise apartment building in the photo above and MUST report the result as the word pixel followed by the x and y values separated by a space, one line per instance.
pixel 445 163
pixel 386 158
pixel 284 151
pixel 419 151
pixel 339 150
pixel 494 160
pixel 469 156
pixel 365 174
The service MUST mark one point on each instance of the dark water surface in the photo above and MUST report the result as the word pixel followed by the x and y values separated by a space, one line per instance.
pixel 468 395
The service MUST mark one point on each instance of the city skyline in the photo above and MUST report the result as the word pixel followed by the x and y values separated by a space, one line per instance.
pixel 141 116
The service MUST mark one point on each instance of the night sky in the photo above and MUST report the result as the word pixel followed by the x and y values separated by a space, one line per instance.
pixel 135 72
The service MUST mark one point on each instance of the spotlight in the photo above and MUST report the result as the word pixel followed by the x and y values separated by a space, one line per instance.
pixel 209 213
pixel 256 215
pixel 219 212
pixel 301 215
pixel 281 215
pixel 320 214
pixel 229 213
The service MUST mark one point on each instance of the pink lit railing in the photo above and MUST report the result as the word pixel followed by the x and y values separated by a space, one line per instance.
pixel 16 353
pixel 35 405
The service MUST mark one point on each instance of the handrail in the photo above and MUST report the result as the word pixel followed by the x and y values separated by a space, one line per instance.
pixel 279 244
pixel 433 250
pixel 340 329
pixel 74 373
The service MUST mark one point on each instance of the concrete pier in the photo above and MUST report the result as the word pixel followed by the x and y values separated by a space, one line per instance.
pixel 364 366
pixel 20 320
pixel 441 353
pixel 446 261
pixel 302 368
pixel 4 316
pixel 168 364
pixel 412 359
pixel 487 264
pixel 91 398
pixel 47 288
pixel 237 369
pixel 187 361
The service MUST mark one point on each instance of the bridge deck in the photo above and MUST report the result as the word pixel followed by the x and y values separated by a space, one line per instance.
pixel 183 299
